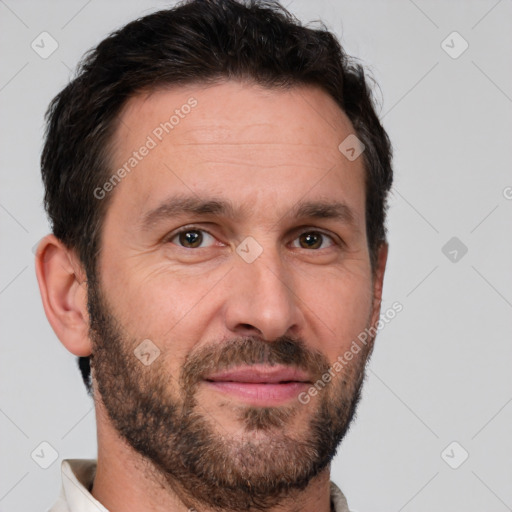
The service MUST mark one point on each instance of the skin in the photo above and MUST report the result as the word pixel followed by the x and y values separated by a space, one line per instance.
pixel 262 149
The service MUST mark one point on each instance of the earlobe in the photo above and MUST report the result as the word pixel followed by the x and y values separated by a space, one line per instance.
pixel 63 290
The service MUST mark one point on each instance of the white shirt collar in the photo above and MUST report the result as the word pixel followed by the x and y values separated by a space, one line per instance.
pixel 78 476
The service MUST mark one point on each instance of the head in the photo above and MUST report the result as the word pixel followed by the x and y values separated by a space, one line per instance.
pixel 227 118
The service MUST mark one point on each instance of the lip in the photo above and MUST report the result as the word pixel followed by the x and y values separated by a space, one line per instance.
pixel 260 385
pixel 261 374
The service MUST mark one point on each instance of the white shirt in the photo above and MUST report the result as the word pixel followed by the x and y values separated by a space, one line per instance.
pixel 78 477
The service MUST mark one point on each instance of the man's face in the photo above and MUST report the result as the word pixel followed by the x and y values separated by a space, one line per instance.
pixel 250 288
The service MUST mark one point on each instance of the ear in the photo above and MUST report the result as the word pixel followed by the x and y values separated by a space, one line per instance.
pixel 63 290
pixel 378 281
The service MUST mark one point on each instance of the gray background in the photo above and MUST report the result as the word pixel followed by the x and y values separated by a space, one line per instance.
pixel 441 370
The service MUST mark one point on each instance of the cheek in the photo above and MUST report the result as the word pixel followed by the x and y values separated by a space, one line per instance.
pixel 162 305
pixel 340 308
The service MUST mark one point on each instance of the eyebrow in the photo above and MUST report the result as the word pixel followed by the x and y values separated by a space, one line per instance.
pixel 178 206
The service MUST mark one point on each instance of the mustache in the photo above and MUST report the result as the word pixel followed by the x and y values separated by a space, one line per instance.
pixel 251 350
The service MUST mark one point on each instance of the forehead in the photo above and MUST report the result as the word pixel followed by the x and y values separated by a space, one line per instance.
pixel 234 140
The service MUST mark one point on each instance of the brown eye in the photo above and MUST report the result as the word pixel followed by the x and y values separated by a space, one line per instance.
pixel 312 240
pixel 191 238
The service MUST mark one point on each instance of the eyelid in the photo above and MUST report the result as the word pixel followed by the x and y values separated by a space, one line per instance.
pixel 335 239
pixel 184 229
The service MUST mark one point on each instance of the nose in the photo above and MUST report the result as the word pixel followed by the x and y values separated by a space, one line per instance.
pixel 261 300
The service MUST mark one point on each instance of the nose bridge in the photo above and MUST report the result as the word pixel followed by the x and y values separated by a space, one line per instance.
pixel 262 296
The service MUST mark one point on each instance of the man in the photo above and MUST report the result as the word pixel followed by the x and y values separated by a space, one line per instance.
pixel 216 179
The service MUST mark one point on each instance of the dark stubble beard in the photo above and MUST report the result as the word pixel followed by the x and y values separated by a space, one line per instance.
pixel 185 449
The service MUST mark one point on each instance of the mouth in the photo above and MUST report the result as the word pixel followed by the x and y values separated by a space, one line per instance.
pixel 259 384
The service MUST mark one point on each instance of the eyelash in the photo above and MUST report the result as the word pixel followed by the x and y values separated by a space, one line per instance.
pixel 195 228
